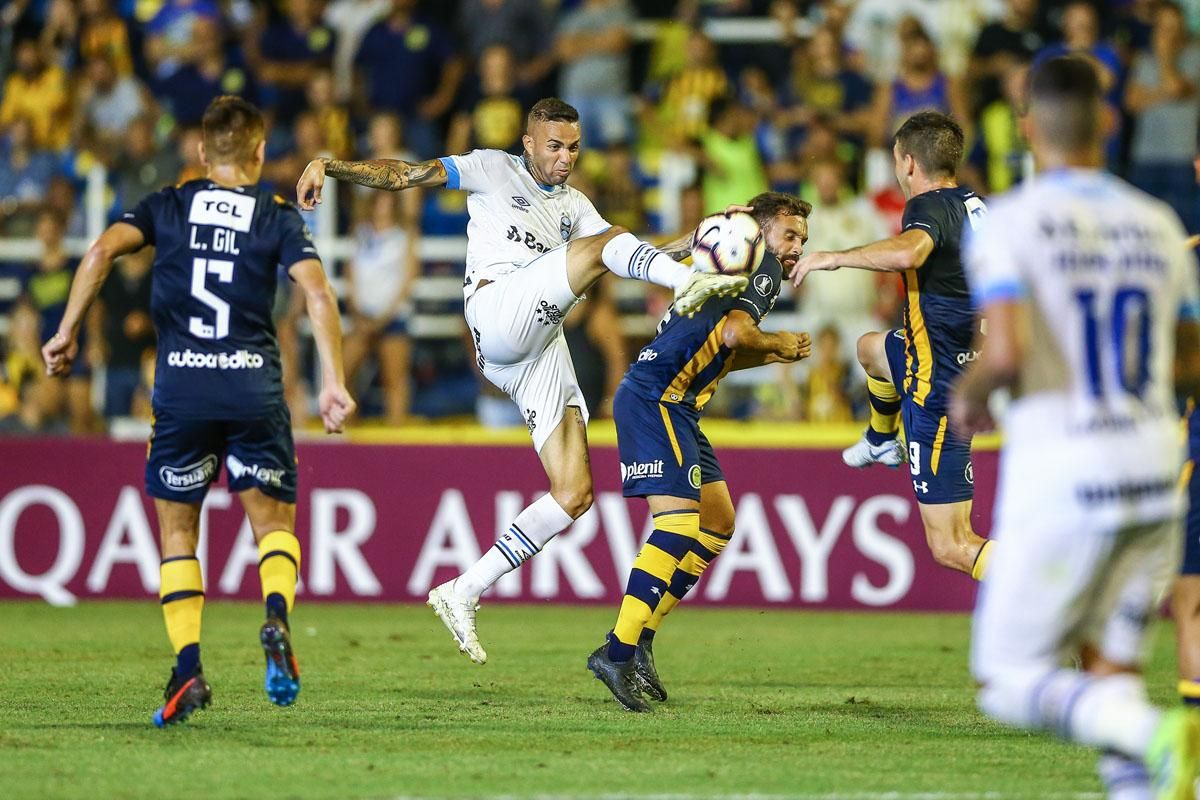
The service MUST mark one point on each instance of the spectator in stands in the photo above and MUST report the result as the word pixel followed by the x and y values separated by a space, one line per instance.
pixel 379 283
pixel 142 166
pixel 46 292
pixel 593 46
pixel 491 113
pixel 822 83
pixel 289 54
pixel 190 168
pixel 597 345
pixel 845 297
pixel 733 168
pixel 60 31
pixel 1000 152
pixel 123 318
pixel 920 86
pixel 1081 36
pixel 350 20
pixel 682 112
pixel 20 371
pixel 523 26
pixel 105 106
pixel 308 142
pixel 1003 44
pixel 873 33
pixel 171 34
pixel 332 116
pixel 63 200
pixel 405 44
pixel 617 187
pixel 25 173
pixel 213 70
pixel 103 34
pixel 37 91
pixel 1163 94
pixel 827 388
pixel 385 140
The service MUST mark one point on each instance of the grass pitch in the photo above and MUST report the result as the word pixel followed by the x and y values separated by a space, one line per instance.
pixel 810 705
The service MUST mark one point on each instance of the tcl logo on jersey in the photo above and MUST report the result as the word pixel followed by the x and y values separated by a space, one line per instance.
pixel 222 208
pixel 241 359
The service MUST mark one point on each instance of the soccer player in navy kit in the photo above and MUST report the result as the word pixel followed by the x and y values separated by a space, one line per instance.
pixel 218 394
pixel 910 370
pixel 666 458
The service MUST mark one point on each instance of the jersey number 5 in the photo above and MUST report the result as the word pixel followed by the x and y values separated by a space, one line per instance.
pixel 224 271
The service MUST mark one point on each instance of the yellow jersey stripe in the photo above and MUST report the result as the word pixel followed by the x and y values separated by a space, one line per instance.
pixel 707 394
pixel 938 440
pixel 919 339
pixel 671 434
pixel 703 357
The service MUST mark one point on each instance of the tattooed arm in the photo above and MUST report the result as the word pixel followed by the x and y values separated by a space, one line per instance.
pixel 379 174
pixel 679 249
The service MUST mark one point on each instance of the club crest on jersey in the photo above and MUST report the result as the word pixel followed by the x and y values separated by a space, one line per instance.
pixel 564 227
pixel 222 208
pixel 520 203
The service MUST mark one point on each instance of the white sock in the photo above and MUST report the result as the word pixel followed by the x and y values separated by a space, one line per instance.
pixel 630 257
pixel 1124 778
pixel 1111 713
pixel 537 524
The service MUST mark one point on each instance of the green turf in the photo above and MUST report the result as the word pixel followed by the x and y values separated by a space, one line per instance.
pixel 762 703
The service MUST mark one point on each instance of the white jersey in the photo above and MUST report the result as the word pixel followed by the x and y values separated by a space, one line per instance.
pixel 514 219
pixel 1104 274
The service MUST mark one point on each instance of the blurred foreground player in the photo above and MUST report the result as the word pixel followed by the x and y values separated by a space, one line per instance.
pixel 1087 288
pixel 667 459
pixel 218 393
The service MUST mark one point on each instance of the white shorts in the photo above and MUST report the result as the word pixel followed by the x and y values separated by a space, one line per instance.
pixel 516 323
pixel 1063 575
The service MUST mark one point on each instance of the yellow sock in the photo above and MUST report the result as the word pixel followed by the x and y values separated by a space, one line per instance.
pixel 671 541
pixel 1189 692
pixel 707 547
pixel 181 592
pixel 979 568
pixel 885 406
pixel 279 565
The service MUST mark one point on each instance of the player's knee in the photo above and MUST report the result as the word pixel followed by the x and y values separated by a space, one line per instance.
pixel 866 350
pixel 720 521
pixel 575 499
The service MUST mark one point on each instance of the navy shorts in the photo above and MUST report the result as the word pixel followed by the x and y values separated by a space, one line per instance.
pixel 1191 532
pixel 662 448
pixel 938 461
pixel 185 456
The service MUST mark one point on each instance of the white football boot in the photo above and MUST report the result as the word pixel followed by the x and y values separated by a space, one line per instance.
pixel 863 454
pixel 458 615
pixel 703 285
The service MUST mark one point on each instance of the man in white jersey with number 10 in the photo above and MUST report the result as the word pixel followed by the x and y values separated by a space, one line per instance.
pixel 534 246
pixel 1089 293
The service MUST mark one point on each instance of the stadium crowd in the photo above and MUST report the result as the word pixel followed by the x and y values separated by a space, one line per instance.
pixel 686 107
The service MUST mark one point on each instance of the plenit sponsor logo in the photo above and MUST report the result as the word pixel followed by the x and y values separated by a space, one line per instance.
pixel 193 476
pixel 239 359
pixel 641 469
pixel 264 475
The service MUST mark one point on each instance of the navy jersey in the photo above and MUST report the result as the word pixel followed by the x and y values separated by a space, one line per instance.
pixel 939 316
pixel 214 279
pixel 687 358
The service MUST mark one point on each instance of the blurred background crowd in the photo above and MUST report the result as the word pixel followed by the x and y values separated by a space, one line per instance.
pixel 686 107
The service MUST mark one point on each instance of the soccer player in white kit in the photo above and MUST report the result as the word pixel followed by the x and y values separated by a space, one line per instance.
pixel 1085 284
pixel 534 246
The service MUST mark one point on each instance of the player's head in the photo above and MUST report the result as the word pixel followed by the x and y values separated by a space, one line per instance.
pixel 552 140
pixel 233 135
pixel 784 222
pixel 928 147
pixel 1065 123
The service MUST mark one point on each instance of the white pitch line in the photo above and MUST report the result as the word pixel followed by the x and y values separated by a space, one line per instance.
pixel 800 796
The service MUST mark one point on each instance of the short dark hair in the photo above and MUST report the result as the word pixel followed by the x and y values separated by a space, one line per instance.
pixel 768 205
pixel 232 129
pixel 1066 97
pixel 933 140
pixel 551 109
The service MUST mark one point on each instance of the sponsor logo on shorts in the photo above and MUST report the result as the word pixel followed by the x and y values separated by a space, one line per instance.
pixel 193 476
pixel 478 353
pixel 967 357
pixel 969 473
pixel 530 419
pixel 548 314
pixel 641 469
pixel 520 203
pixel 921 486
pixel 763 285
pixel 647 355
pixel 191 359
pixel 694 476
pixel 264 475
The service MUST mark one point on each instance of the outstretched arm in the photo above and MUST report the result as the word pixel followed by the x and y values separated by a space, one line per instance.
pixel 907 251
pixel 120 238
pixel 383 173
pixel 755 346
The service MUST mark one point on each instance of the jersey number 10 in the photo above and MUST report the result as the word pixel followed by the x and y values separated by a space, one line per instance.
pixel 224 271
pixel 1128 335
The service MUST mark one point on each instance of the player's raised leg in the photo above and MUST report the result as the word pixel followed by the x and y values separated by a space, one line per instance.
pixel 879 444
pixel 951 539
pixel 564 456
pixel 273 522
pixel 181 593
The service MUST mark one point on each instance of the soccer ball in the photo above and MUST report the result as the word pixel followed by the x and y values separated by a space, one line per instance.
pixel 730 244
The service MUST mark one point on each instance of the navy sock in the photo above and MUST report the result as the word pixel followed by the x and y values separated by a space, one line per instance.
pixel 187 661
pixel 619 651
pixel 277 607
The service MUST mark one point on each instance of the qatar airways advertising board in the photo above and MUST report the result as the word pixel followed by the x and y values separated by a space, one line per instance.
pixel 388 522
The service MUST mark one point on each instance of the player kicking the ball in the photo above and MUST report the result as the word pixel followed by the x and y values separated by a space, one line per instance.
pixel 666 458
pixel 534 246
pixel 1082 279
